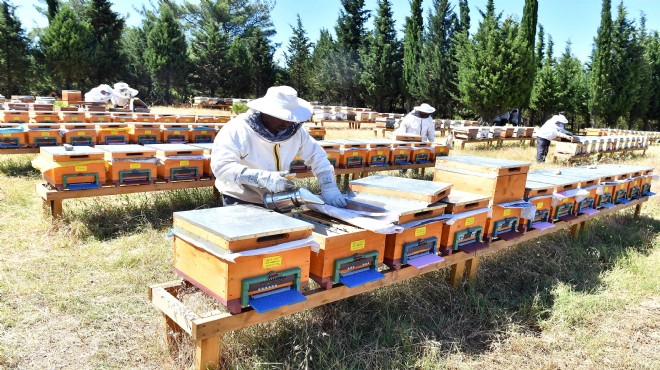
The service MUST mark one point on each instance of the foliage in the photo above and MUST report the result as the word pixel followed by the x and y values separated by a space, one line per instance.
pixel 299 60
pixel 545 94
pixel 238 108
pixel 601 90
pixel 572 90
pixel 15 61
pixel 323 58
pixel 106 27
pixel 209 59
pixel 135 72
pixel 347 66
pixel 412 51
pixel 526 37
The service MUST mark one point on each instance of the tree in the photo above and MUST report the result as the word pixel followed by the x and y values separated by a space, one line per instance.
pixel 165 54
pixel 653 52
pixel 350 30
pixel 240 68
pixel 208 56
pixel 601 91
pixel 381 77
pixel 299 60
pixel 412 51
pixel 52 9
pixel 323 59
pixel 15 61
pixel 545 98
pixel 135 71
pixel 67 49
pixel 464 17
pixel 437 70
pixel 235 17
pixel 526 40
pixel 107 27
pixel 263 67
pixel 540 46
pixel 642 77
pixel 572 91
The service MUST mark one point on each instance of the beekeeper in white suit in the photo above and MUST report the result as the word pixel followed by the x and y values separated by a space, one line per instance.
pixel 252 152
pixel 419 122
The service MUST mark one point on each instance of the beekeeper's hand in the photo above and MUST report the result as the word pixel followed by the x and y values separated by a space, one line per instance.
pixel 274 181
pixel 329 190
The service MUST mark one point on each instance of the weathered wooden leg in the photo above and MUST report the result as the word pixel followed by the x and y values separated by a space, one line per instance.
pixel 463 145
pixel 56 208
pixel 638 209
pixel 456 274
pixel 471 266
pixel 575 231
pixel 207 353
pixel 583 226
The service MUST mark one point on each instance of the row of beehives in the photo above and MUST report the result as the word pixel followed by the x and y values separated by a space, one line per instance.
pixel 204 100
pixel 619 132
pixel 339 113
pixel 132 164
pixel 51 116
pixel 598 144
pixel 247 256
pixel 491 132
pixel 107 133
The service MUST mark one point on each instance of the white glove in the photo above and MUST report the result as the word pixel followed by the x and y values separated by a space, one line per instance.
pixel 329 190
pixel 272 180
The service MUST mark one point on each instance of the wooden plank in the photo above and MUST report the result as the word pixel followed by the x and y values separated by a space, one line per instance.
pixel 207 353
pixel 456 274
pixel 471 266
pixel 19 150
pixel 173 308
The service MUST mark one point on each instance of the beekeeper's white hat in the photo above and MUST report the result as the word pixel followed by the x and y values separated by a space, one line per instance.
pixel 425 108
pixel 283 102
pixel 559 118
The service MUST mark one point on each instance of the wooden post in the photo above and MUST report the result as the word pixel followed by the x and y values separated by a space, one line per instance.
pixel 456 274
pixel 56 208
pixel 207 353
pixel 471 266
pixel 575 231
pixel 638 210
pixel 583 226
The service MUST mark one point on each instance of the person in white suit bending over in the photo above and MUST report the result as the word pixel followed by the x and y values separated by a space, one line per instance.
pixel 419 122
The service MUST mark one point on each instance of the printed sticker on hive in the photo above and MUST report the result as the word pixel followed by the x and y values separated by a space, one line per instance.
pixel 355 154
pixel 135 166
pixel 469 221
pixel 270 262
pixel 607 188
pixel 45 134
pixel 114 132
pixel 565 200
pixel 81 168
pixel 184 163
pixel 358 244
pixel 420 231
pixel 147 131
pixel 539 205
pixel 81 133
pixel 6 135
pixel 507 212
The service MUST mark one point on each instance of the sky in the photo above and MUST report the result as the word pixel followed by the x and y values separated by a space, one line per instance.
pixel 564 20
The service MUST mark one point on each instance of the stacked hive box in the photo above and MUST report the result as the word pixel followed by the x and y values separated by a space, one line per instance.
pixel 563 209
pixel 130 164
pixel 348 254
pixel 43 134
pixel 541 196
pixel 378 152
pixel 583 203
pixel 178 162
pixel 144 133
pixel 415 206
pixel 79 133
pixel 82 167
pixel 207 147
pixel 317 132
pixel 243 255
pixel 112 133
pixel 465 231
pixel 353 154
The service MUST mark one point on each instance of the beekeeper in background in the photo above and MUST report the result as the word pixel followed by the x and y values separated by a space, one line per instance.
pixel 419 122
pixel 551 129
pixel 253 151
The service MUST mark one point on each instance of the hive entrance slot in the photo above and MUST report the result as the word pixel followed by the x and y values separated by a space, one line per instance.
pixel 270 238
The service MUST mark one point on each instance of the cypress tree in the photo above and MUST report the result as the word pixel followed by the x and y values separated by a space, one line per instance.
pixel 107 27
pixel 600 89
pixel 464 17
pixel 412 51
pixel 263 67
pixel 52 7
pixel 240 68
pixel 572 90
pixel 67 44
pixel 527 36
pixel 381 77
pixel 299 60
pixel 323 57
pixel 208 56
pixel 135 71
pixel 436 67
pixel 653 52
pixel 166 54
pixel 642 76
pixel 351 34
pixel 15 61
pixel 540 46
pixel 545 99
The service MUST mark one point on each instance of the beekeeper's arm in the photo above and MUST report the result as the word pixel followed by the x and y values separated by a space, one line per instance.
pixel 404 125
pixel 226 155
pixel 316 158
pixel 430 132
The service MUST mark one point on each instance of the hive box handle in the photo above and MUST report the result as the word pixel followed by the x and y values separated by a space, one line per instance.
pixel 270 238
pixel 422 214
pixel 514 169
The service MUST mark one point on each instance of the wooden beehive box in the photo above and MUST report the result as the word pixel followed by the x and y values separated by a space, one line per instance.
pixel 333 150
pixel 79 133
pixel 112 133
pixel 185 118
pixel 502 180
pixel 204 119
pixel 461 201
pixel 82 167
pixel 402 187
pixel 206 242
pixel 144 133
pixel 221 119
pixel 179 161
pixel 543 204
pixel 440 150
pixel 565 207
pixel 130 164
pixel 44 117
pixel 174 133
pixel 353 154
pixel 14 116
pixel 422 153
pixel 568 148
pixel 504 223
pixel 464 232
pixel 507 131
pixel 495 132
pixel 143 117
pixel 43 134
pixel 13 106
pixel 74 117
pixel 207 147
pixel 12 136
pixel 201 134
pixel 378 151
pixel 400 154
pixel 121 117
pixel 346 251
pixel 71 96
pixel 411 138
pixel 466 133
pixel 97 117
pixel 317 132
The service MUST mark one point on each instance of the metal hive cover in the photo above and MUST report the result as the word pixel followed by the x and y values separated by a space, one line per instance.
pixel 207 146
pixel 127 148
pixel 398 206
pixel 569 173
pixel 241 222
pixel 77 150
pixel 485 161
pixel 458 197
pixel 171 147
pixel 554 180
pixel 403 184
pixel 533 185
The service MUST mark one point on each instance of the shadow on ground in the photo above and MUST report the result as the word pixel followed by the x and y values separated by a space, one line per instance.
pixel 18 166
pixel 394 327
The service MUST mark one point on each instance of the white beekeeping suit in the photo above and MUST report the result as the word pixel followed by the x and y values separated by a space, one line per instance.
pixel 122 94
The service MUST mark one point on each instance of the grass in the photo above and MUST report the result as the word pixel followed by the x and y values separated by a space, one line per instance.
pixel 73 295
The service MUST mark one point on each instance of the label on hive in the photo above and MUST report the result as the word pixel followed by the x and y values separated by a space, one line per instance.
pixel 177 132
pixel 147 131
pixel 134 166
pixel 45 134
pixel 203 132
pixel 539 205
pixel 16 118
pixel 380 152
pixel 355 154
pixel 607 188
pixel 114 132
pixel 6 135
pixel 184 163
pixel 565 200
pixel 420 231
pixel 469 221
pixel 81 133
pixel 81 168
pixel 358 244
pixel 622 186
pixel 507 212
pixel 270 262
pixel 402 151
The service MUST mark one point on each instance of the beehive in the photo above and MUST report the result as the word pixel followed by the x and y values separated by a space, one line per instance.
pixel 466 133
pixel 569 148
pixel 440 150
pixel 174 133
pixel 44 117
pixel 200 133
pixel 81 168
pixel 178 162
pixel 332 150
pixel 467 229
pixel 14 116
pixel 112 133
pixel 208 148
pixel 143 117
pixel 353 154
pixel 378 152
pixel 71 96
pixel 121 117
pixel 348 254
pixel 97 117
pixel 543 215
pixel 43 134
pixel 12 136
pixel 235 254
pixel 504 222
pixel 185 118
pixel 221 119
pixel 402 187
pixel 564 208
pixel 501 180
pixel 144 133
pixel 317 132
pixel 73 117
pixel 130 164
pixel 79 133
pixel 204 119
pixel 422 153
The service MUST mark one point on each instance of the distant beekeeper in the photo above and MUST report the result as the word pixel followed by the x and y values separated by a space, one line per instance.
pixel 551 129
pixel 419 122
pixel 253 151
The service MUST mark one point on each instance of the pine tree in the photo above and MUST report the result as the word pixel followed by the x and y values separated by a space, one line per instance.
pixel 572 91
pixel 412 51
pixel 653 53
pixel 436 65
pixel 68 52
pixel 527 36
pixel 299 60
pixel 323 58
pixel 601 91
pixel 107 27
pixel 135 71
pixel 263 67
pixel 208 56
pixel 642 76
pixel 545 99
pixel 381 77
pixel 240 68
pixel 351 34
pixel 15 61
pixel 540 46
pixel 166 54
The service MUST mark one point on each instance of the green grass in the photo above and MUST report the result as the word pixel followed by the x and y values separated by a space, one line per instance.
pixel 74 294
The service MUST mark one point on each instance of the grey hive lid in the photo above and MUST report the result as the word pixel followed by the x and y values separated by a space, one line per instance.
pixel 569 173
pixel 241 222
pixel 399 206
pixel 403 184
pixel 458 197
pixel 553 180
pixel 77 150
pixel 535 185
pixel 485 161
pixel 171 147
pixel 127 148
pixel 207 146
